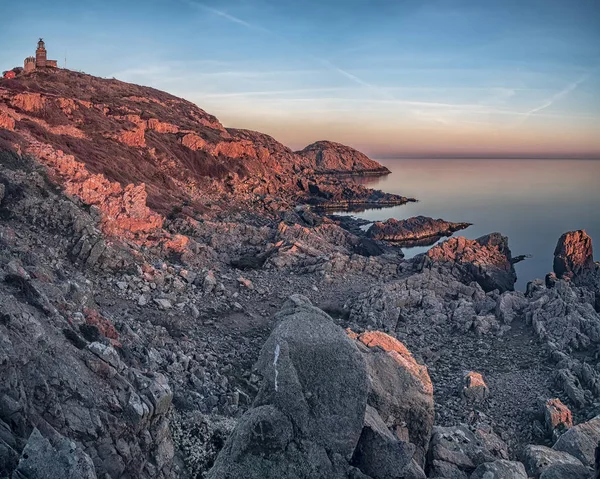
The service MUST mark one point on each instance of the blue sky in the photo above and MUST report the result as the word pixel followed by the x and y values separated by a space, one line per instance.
pixel 391 77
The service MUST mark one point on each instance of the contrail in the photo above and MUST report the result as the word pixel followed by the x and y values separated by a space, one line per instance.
pixel 323 61
pixel 557 96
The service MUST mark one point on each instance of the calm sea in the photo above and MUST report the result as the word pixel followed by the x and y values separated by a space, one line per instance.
pixel 531 201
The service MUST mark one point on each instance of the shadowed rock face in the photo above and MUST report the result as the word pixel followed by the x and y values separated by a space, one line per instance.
pixel 334 158
pixel 573 255
pixel 419 229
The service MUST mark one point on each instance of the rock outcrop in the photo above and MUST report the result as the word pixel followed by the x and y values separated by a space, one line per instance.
pixel 334 158
pixel 573 255
pixel 486 260
pixel 419 230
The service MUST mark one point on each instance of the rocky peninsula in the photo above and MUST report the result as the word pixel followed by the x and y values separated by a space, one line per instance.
pixel 419 230
pixel 175 303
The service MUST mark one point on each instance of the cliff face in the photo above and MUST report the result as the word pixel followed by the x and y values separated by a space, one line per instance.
pixel 331 157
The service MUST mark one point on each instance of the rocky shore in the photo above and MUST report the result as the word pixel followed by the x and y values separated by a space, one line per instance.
pixel 174 303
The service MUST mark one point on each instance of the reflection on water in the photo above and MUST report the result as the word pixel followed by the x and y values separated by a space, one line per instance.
pixel 531 201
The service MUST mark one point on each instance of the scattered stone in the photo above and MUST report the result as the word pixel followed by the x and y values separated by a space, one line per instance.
pixel 245 282
pixel 557 416
pixel 210 282
pixel 475 389
pixel 163 303
pixel 564 471
pixel 456 448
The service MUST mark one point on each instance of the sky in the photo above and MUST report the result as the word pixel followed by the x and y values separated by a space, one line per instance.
pixel 393 78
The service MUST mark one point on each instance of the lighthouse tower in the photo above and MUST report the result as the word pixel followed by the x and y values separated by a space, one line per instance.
pixel 40 55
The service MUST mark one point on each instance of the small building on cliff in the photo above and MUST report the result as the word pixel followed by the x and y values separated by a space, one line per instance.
pixel 40 60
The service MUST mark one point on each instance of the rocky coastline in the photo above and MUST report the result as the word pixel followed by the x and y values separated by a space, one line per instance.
pixel 175 302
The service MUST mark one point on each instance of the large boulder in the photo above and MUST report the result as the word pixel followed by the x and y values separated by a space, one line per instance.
pixel 486 260
pixel 308 415
pixel 539 458
pixel 573 254
pixel 400 389
pixel 455 452
pixel 581 441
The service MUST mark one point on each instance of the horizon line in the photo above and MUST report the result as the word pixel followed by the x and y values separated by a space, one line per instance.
pixel 484 157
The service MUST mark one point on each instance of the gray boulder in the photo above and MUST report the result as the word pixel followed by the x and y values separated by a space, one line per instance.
pixel 456 448
pixel 379 454
pixel 500 469
pixel 309 412
pixel 581 441
pixel 42 460
pixel 400 389
pixel 539 458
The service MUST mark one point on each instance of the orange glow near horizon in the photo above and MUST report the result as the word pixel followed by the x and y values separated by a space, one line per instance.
pixel 381 139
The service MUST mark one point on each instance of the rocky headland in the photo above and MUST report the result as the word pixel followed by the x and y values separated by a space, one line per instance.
pixel 174 303
pixel 328 157
pixel 416 231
